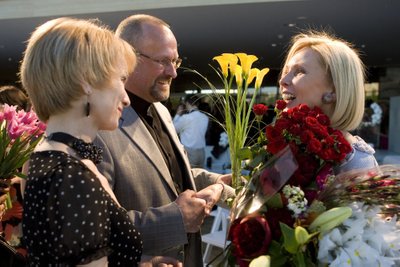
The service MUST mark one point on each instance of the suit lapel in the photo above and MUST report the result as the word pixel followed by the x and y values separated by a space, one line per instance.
pixel 167 121
pixel 137 132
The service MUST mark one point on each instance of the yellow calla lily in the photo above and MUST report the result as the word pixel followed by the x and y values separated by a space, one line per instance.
pixel 260 77
pixel 223 63
pixel 253 73
pixel 227 62
pixel 246 61
pixel 233 61
pixel 238 76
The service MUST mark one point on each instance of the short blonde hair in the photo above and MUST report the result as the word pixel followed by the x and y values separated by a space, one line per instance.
pixel 62 54
pixel 346 71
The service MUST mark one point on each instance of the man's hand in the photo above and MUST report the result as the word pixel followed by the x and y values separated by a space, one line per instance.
pixel 159 261
pixel 192 209
pixel 211 194
pixel 225 178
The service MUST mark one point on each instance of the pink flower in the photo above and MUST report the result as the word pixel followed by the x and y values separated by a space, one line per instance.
pixel 19 131
pixel 9 112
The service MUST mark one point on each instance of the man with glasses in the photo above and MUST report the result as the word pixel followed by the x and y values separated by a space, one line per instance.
pixel 144 160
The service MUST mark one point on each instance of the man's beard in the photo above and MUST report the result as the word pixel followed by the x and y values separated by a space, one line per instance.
pixel 159 95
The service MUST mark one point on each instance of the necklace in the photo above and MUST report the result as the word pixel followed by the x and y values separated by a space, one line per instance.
pixel 83 149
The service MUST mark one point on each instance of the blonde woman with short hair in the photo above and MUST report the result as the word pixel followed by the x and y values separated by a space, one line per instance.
pixel 74 72
pixel 325 71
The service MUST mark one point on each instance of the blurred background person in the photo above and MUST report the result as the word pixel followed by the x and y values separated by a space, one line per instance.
pixel 14 96
pixel 191 124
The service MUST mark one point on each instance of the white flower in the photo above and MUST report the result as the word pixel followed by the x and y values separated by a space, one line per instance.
pixel 365 239
pixel 297 203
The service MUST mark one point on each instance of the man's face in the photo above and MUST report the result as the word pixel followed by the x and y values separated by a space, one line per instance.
pixel 157 53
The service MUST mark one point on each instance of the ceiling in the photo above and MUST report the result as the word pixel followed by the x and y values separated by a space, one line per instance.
pixel 262 28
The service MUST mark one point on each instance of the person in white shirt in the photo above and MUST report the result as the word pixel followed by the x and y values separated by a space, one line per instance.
pixel 191 125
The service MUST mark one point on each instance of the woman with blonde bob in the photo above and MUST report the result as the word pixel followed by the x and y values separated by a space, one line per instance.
pixel 325 71
pixel 74 72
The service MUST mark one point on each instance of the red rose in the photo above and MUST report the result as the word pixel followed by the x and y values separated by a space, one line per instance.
pixel 344 147
pixel 250 236
pixel 305 136
pixel 294 147
pixel 311 122
pixel 280 105
pixel 278 215
pixel 327 154
pixel 301 178
pixel 260 109
pixel 328 141
pixel 271 132
pixel 282 124
pixel 314 146
pixel 320 131
pixel 295 129
pixel 323 119
pixel 304 108
pixel 298 116
pixel 276 145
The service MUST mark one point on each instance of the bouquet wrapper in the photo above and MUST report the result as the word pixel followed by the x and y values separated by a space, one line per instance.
pixel 264 183
pixel 376 186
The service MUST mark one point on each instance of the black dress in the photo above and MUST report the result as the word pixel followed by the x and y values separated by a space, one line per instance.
pixel 70 219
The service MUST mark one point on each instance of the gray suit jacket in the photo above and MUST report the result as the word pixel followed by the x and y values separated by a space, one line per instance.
pixel 143 185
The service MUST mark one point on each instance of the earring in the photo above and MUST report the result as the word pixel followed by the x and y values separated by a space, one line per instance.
pixel 328 98
pixel 87 109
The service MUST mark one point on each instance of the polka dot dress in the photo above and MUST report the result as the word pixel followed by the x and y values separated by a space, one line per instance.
pixel 70 219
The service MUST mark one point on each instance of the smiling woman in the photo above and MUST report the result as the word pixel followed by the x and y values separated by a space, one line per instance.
pixel 74 72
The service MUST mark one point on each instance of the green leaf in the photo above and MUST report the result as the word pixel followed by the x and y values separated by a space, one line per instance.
pixel 275 201
pixel 301 234
pixel 245 153
pixel 289 239
pixel 299 259
pixel 278 256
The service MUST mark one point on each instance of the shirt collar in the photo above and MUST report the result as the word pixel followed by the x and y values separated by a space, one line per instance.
pixel 140 105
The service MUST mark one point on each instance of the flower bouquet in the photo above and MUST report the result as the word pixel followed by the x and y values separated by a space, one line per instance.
pixel 20 132
pixel 295 212
pixel 236 74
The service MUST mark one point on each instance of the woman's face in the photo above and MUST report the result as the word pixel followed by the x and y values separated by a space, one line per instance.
pixel 108 102
pixel 304 81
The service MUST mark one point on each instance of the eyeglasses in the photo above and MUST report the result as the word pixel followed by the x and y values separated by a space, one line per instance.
pixel 176 63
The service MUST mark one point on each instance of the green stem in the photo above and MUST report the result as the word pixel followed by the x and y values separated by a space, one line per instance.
pixel 8 201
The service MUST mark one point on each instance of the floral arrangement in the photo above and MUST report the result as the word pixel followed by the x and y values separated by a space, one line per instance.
pixel 236 74
pixel 20 131
pixel 295 212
